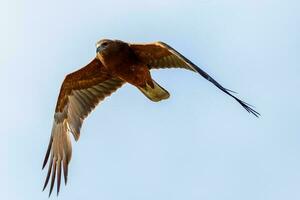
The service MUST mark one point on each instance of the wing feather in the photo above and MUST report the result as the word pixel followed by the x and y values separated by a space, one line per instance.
pixel 80 93
pixel 160 55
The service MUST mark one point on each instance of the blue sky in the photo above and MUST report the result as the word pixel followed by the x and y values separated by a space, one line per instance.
pixel 199 144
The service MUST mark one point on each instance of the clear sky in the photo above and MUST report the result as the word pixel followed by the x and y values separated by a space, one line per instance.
pixel 199 144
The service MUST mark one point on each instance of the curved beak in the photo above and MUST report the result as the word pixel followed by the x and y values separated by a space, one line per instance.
pixel 99 49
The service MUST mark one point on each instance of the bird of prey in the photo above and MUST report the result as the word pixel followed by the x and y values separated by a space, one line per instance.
pixel 115 64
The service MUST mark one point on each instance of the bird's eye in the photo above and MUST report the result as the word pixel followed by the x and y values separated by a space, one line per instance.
pixel 104 44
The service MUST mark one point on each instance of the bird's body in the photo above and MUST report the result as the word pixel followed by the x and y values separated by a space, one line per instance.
pixel 121 61
pixel 116 63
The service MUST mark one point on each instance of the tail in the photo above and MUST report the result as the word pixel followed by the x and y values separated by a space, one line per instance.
pixel 157 93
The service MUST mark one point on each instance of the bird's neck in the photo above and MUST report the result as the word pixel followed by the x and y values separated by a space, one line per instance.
pixel 117 60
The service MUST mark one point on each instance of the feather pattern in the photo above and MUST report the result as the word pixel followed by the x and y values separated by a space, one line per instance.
pixel 81 91
pixel 160 55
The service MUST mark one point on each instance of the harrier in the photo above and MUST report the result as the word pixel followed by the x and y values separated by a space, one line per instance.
pixel 115 64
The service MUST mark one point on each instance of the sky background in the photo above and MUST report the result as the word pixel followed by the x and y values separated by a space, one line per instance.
pixel 199 144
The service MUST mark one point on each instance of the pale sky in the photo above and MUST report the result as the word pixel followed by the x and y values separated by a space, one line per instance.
pixel 199 144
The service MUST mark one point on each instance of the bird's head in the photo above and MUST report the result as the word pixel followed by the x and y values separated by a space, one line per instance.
pixel 103 45
pixel 103 48
pixel 107 50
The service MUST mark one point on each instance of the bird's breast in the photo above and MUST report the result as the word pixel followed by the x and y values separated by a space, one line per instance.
pixel 135 74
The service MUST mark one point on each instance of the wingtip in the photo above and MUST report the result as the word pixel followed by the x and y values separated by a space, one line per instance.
pixel 250 109
pixel 47 153
pixel 66 181
pixel 43 166
pixel 256 114
pixel 50 192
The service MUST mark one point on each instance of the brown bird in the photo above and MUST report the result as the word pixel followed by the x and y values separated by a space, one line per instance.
pixel 115 64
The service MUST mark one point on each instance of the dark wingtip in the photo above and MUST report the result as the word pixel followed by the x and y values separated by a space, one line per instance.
pixel 248 107
pixel 48 174
pixel 47 153
pixel 53 177
pixel 227 91
pixel 65 170
pixel 58 176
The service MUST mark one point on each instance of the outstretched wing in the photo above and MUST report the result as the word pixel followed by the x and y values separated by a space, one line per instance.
pixel 160 55
pixel 80 92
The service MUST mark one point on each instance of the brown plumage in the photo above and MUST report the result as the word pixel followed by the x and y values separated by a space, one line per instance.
pixel 116 63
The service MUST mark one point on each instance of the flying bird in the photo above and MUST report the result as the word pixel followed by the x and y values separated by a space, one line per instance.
pixel 115 64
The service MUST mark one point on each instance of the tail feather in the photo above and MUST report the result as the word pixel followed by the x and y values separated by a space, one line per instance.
pixel 156 93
